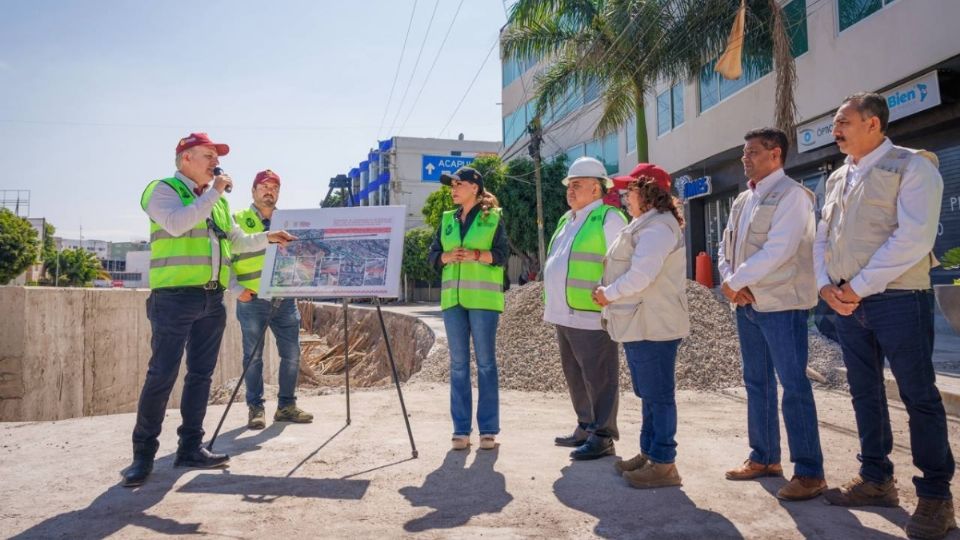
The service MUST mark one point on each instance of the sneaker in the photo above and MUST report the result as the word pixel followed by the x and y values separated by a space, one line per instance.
pixel 631 464
pixel 801 488
pixel 653 475
pixel 860 492
pixel 488 442
pixel 256 418
pixel 460 442
pixel 751 470
pixel 292 413
pixel 932 520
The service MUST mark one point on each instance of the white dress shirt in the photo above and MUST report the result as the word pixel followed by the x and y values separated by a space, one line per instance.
pixel 168 211
pixel 655 242
pixel 791 219
pixel 556 310
pixel 921 191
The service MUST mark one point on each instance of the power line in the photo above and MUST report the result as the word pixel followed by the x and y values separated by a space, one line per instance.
pixel 397 74
pixel 475 76
pixel 416 64
pixel 432 65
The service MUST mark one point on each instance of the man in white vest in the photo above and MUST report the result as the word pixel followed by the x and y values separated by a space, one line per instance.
pixel 873 258
pixel 766 262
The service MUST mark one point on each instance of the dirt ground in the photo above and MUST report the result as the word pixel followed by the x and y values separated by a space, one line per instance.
pixel 61 479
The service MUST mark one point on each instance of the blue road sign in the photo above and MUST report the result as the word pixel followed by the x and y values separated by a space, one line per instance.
pixel 434 166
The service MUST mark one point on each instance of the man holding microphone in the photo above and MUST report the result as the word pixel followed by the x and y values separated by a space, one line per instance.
pixel 191 234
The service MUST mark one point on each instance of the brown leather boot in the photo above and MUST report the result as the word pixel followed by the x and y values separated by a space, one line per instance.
pixel 751 469
pixel 860 492
pixel 932 520
pixel 801 488
pixel 631 464
pixel 653 475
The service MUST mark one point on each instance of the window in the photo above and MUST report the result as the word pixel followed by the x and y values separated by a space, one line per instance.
pixel 607 150
pixel 850 12
pixel 515 124
pixel 513 68
pixel 630 132
pixel 670 109
pixel 713 88
pixel 573 153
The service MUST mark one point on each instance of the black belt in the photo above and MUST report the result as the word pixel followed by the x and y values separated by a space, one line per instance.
pixel 208 287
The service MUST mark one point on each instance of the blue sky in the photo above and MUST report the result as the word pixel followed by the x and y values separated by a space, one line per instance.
pixel 94 94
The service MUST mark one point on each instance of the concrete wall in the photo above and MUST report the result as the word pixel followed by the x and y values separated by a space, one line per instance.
pixel 902 39
pixel 66 353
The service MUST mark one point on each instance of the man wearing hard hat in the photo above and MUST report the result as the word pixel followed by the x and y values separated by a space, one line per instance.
pixel 573 269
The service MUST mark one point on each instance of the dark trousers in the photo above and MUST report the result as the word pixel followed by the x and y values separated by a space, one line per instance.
pixel 180 318
pixel 591 366
pixel 898 325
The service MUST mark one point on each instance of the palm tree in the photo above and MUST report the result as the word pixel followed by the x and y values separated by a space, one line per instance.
pixel 627 46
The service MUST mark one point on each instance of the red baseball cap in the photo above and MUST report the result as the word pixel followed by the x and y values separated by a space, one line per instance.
pixel 660 176
pixel 266 176
pixel 201 139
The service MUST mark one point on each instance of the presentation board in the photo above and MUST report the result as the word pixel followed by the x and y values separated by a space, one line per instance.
pixel 339 252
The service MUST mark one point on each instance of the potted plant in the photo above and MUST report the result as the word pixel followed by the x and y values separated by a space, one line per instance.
pixel 948 296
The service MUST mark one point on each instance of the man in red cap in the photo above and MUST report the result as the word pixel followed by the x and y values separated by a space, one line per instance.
pixel 191 237
pixel 253 312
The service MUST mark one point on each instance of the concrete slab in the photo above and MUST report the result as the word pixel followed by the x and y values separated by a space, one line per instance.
pixel 325 479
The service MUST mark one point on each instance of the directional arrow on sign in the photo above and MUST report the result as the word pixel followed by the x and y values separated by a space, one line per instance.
pixel 430 167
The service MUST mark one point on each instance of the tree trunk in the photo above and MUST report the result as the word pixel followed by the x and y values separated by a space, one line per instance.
pixel 643 151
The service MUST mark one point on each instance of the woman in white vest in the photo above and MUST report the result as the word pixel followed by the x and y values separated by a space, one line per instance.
pixel 471 248
pixel 643 294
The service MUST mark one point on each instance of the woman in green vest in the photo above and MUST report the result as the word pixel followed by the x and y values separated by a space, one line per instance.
pixel 643 294
pixel 470 247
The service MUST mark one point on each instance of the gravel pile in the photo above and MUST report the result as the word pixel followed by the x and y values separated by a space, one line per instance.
pixel 709 359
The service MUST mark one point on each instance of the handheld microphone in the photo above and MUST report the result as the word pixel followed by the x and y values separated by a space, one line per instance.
pixel 217 171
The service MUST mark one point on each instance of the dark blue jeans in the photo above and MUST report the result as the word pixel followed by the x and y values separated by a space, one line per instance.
pixel 652 370
pixel 898 325
pixel 188 318
pixel 772 345
pixel 460 324
pixel 285 325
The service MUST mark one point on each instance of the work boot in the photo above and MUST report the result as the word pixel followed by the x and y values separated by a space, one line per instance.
pixel 138 471
pixel 751 470
pixel 256 418
pixel 932 519
pixel 200 458
pixel 653 475
pixel 860 492
pixel 292 413
pixel 594 448
pixel 631 464
pixel 801 488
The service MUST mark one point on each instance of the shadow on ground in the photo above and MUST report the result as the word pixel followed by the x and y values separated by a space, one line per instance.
pixel 457 493
pixel 119 507
pixel 595 488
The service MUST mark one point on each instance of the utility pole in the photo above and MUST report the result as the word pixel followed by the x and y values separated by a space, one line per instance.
pixel 536 136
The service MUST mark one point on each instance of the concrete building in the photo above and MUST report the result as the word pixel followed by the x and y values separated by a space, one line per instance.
pixel 901 48
pixel 406 170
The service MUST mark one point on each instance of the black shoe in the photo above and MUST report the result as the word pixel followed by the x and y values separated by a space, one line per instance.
pixel 200 458
pixel 138 471
pixel 594 448
pixel 571 441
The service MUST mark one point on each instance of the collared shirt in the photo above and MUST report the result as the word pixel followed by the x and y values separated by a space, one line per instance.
pixel 791 220
pixel 167 210
pixel 919 198
pixel 655 242
pixel 556 310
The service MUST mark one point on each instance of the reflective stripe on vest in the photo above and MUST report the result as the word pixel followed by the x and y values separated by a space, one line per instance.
pixel 249 266
pixel 473 285
pixel 186 260
pixel 585 261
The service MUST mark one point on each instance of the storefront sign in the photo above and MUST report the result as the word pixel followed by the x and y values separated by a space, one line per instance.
pixel 907 99
pixel 691 188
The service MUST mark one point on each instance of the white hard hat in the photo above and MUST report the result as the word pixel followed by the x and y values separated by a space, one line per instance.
pixel 588 167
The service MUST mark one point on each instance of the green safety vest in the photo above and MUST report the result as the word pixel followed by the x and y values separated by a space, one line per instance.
pixel 473 285
pixel 585 261
pixel 186 260
pixel 248 266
